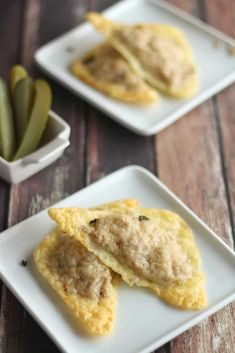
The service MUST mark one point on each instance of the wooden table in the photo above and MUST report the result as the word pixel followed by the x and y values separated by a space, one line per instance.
pixel 195 157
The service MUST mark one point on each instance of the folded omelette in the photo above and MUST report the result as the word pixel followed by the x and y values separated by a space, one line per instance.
pixel 158 53
pixel 148 247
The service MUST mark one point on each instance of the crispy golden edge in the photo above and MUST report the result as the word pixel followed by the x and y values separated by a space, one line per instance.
pixel 106 27
pixel 189 295
pixel 120 204
pixel 97 317
pixel 101 23
pixel 114 90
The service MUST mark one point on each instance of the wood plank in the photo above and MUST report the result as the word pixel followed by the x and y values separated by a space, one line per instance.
pixel 64 177
pixel 30 32
pixel 10 17
pixel 67 17
pixel 225 101
pixel 11 22
pixel 10 329
pixel 189 162
pixel 4 194
pixel 194 174
pixel 110 147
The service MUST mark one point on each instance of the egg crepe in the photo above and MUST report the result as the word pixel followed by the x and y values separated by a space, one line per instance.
pixel 53 259
pixel 185 292
pixel 107 71
pixel 159 53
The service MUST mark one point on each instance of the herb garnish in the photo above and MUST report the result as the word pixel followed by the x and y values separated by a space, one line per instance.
pixel 93 221
pixel 89 60
pixel 143 218
pixel 24 263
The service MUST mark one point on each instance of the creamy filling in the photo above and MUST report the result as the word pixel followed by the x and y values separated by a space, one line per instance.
pixel 150 251
pixel 159 55
pixel 109 66
pixel 79 270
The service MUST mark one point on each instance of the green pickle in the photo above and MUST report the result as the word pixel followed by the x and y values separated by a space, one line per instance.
pixel 37 121
pixel 23 96
pixel 17 73
pixel 7 132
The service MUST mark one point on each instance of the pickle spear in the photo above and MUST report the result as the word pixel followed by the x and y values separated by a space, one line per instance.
pixel 17 73
pixel 37 121
pixel 7 132
pixel 23 96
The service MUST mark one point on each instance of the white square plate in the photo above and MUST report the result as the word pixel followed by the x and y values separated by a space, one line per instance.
pixel 216 66
pixel 155 322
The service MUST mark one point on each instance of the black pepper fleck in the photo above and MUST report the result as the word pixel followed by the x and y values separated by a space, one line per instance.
pixel 89 60
pixel 93 221
pixel 24 263
pixel 70 49
pixel 143 218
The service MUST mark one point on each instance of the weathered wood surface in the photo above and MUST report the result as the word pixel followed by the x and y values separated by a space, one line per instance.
pixel 200 155
pixel 195 157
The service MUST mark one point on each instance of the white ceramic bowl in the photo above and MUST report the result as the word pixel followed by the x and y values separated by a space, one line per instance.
pixel 54 142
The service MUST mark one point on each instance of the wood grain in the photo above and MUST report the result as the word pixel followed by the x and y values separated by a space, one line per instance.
pixel 30 31
pixel 225 101
pixel 10 34
pixel 52 184
pixel 10 335
pixel 4 195
pixel 197 180
pixel 110 147
pixel 194 157
pixel 190 163
pixel 10 31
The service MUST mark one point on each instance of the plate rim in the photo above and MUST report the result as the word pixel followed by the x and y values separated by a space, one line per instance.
pixel 182 327
pixel 170 118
